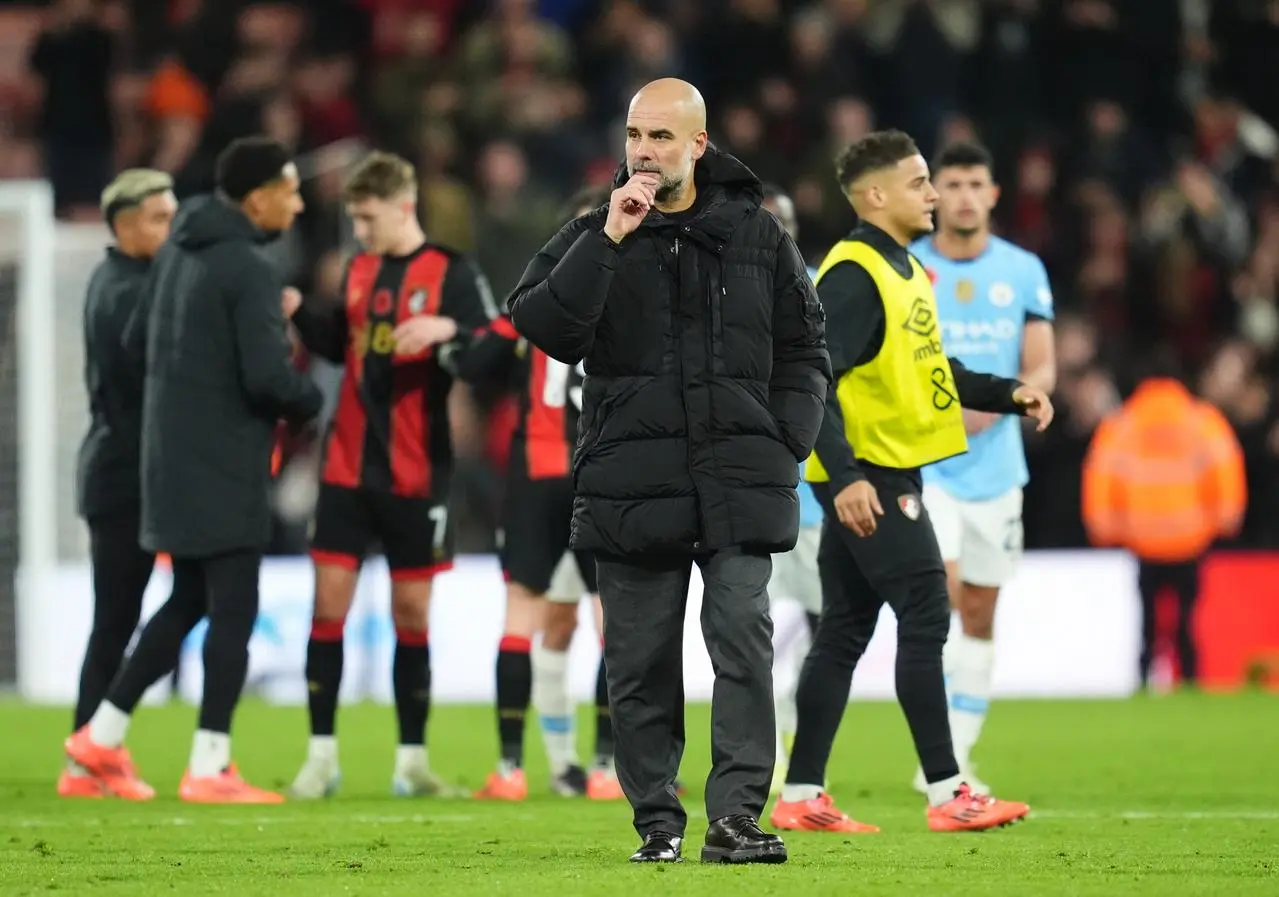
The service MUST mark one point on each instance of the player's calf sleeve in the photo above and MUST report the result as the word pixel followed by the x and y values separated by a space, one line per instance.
pixel 603 717
pixel 226 663
pixel 820 699
pixel 411 679
pixel 554 708
pixel 921 688
pixel 514 691
pixel 103 657
pixel 972 663
pixel 156 653
pixel 324 658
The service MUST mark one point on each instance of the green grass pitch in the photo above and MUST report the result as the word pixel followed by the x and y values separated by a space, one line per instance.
pixel 1153 796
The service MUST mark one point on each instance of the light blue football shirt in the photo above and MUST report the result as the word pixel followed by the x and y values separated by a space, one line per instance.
pixel 983 304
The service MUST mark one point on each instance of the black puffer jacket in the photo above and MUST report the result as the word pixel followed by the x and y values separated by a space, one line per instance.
pixel 706 370
pixel 218 379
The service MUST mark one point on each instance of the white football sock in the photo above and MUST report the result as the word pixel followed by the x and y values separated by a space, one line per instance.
pixel 943 792
pixel 109 725
pixel 972 662
pixel 210 753
pixel 554 708
pixel 323 747
pixel 792 793
pixel 786 683
pixel 408 756
pixel 76 769
pixel 784 707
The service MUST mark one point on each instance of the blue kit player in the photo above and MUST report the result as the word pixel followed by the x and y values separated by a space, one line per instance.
pixel 996 312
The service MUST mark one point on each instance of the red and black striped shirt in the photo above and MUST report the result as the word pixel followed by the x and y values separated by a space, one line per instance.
pixel 550 403
pixel 390 431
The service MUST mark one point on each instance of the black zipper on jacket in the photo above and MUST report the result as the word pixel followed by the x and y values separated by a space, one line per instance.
pixel 684 374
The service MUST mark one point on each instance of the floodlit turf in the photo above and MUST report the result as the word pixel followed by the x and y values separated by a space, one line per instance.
pixel 1158 796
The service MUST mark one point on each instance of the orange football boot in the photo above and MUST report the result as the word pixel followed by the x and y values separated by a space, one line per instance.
pixel 968 811
pixel 224 788
pixel 504 785
pixel 602 784
pixel 816 815
pixel 78 784
pixel 112 766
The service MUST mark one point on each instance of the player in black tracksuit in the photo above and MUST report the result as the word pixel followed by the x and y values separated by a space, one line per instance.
pixel 139 208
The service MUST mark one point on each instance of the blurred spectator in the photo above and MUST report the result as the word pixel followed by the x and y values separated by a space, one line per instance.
pixel 1136 146
pixel 73 58
pixel 514 218
pixel 1164 478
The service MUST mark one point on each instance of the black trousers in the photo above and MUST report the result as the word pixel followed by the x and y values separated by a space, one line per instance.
pixel 224 588
pixel 1182 579
pixel 644 604
pixel 121 571
pixel 901 565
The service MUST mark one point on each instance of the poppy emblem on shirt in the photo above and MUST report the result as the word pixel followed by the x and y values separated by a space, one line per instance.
pixel 381 302
pixel 417 302
pixel 932 276
pixel 909 505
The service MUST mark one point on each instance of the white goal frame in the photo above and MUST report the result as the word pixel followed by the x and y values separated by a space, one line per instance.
pixel 31 201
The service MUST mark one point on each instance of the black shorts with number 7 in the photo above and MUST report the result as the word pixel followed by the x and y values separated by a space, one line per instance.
pixel 413 533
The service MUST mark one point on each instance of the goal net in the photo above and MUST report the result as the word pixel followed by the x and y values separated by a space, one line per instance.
pixel 38 366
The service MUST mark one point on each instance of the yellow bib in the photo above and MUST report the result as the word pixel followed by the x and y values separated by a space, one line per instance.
pixel 901 409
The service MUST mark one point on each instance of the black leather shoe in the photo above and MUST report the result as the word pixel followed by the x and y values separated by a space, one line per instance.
pixel 739 839
pixel 659 847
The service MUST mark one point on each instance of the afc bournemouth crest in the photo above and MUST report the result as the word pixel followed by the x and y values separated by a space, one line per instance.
pixel 909 505
pixel 417 302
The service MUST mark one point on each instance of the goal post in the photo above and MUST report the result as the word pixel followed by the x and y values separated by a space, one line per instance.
pixel 30 204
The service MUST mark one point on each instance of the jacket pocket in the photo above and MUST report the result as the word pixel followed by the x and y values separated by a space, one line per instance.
pixel 594 433
pixel 747 398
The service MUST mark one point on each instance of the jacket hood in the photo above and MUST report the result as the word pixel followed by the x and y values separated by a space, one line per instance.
pixel 1161 391
pixel 716 169
pixel 206 220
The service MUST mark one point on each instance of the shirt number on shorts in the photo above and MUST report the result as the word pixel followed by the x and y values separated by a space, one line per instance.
pixel 440 518
pixel 1015 538
pixel 555 389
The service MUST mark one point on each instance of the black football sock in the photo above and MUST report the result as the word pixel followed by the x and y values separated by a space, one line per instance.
pixel 324 674
pixel 411 676
pixel 514 692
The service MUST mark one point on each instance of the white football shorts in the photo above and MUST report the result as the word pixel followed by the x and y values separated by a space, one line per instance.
pixel 567 586
pixel 795 572
pixel 984 537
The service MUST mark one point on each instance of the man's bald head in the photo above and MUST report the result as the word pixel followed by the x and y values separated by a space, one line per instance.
pixel 671 96
pixel 666 133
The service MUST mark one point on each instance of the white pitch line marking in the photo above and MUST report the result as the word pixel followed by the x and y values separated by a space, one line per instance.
pixel 1138 815
pixel 462 819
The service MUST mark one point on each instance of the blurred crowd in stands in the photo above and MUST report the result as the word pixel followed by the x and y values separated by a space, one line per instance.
pixel 1135 140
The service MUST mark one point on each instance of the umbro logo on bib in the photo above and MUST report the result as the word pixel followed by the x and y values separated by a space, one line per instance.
pixel 920 320
pixel 909 505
